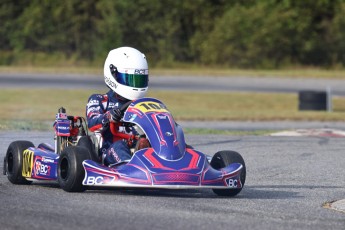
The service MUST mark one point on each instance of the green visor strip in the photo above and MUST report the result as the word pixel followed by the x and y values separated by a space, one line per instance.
pixel 132 80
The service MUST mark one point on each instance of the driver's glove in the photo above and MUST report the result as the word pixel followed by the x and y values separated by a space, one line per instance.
pixel 116 114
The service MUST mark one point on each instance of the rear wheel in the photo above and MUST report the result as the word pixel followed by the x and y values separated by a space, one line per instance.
pixel 222 159
pixel 70 169
pixel 13 162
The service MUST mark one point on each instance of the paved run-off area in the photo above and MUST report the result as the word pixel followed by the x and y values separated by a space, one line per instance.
pixel 291 183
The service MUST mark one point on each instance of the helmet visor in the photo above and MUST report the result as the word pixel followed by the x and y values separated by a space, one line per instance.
pixel 132 80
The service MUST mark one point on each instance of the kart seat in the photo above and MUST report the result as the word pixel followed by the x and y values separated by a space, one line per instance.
pixel 92 145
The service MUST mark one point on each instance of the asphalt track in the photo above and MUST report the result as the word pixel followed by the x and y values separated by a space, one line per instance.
pixel 290 183
pixel 195 83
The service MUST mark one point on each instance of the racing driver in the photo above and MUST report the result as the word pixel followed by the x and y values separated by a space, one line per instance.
pixel 126 74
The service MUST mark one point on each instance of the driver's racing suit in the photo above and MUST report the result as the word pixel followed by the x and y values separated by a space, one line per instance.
pixel 113 151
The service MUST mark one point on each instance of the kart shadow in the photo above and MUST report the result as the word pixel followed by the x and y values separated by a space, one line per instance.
pixel 180 193
pixel 248 192
pixel 261 192
pixel 46 184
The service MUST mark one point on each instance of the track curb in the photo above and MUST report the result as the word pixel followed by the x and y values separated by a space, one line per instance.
pixel 338 205
pixel 311 133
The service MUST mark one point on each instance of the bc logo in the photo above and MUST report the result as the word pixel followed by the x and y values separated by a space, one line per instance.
pixel 232 183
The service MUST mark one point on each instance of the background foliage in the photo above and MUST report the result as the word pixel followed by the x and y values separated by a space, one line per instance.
pixel 227 33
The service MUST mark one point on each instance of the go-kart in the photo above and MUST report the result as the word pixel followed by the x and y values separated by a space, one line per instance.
pixel 167 163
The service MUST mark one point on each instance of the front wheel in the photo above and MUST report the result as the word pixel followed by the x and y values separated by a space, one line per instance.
pixel 70 169
pixel 222 159
pixel 13 162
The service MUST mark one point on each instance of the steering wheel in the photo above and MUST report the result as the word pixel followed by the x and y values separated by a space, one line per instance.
pixel 124 107
pixel 114 126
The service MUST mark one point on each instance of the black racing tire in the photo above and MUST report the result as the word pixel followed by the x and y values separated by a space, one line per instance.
pixel 86 142
pixel 13 162
pixel 70 169
pixel 312 100
pixel 222 159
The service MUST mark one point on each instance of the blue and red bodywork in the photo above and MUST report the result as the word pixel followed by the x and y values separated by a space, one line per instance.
pixel 40 163
pixel 168 163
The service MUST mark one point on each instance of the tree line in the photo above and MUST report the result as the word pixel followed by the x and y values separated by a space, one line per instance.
pixel 226 33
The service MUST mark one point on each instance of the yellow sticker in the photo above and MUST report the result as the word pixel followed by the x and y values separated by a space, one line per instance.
pixel 28 160
pixel 151 107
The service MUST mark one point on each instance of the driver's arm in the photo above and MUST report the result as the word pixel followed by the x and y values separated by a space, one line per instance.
pixel 97 116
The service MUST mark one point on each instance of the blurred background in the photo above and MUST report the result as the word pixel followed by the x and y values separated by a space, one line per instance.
pixel 261 53
pixel 235 34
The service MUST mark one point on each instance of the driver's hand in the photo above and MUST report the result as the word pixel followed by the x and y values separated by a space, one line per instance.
pixel 116 114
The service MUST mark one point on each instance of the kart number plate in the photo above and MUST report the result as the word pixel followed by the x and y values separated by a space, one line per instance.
pixel 146 107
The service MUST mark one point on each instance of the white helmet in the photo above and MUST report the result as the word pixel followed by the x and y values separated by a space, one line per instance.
pixel 126 72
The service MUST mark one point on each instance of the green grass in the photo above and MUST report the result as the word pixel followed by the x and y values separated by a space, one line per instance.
pixel 243 107
pixel 25 125
pixel 41 104
pixel 282 73
pixel 52 69
pixel 31 107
